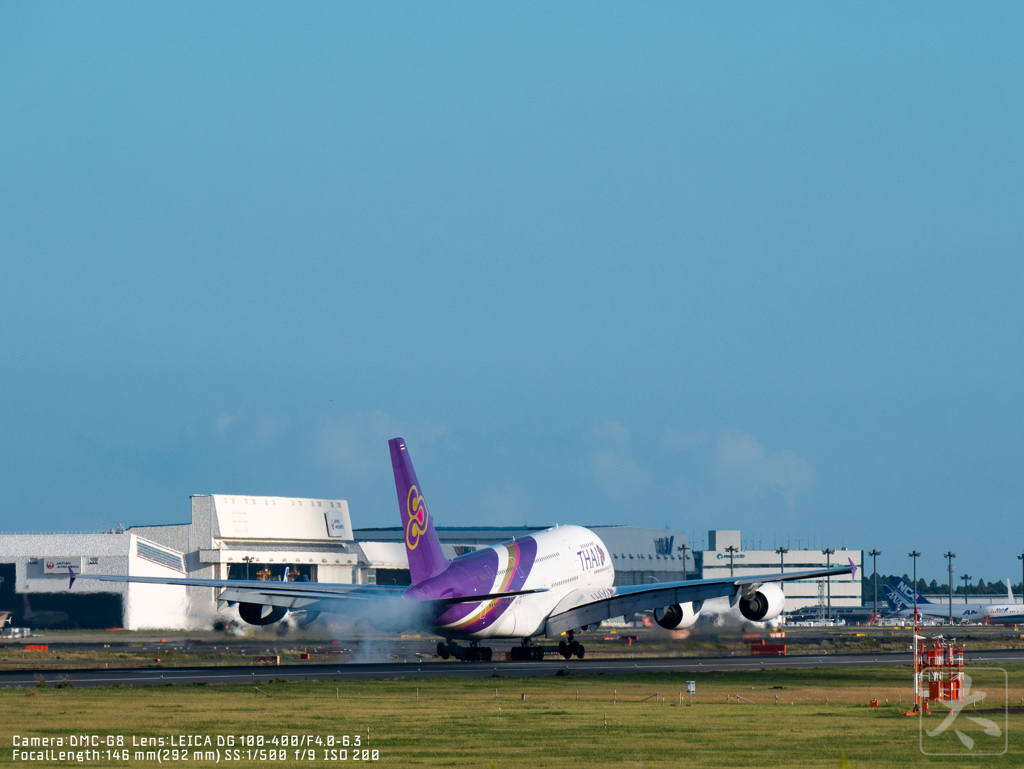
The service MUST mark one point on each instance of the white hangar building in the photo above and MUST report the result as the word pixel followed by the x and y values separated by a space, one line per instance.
pixel 34 581
pixel 227 537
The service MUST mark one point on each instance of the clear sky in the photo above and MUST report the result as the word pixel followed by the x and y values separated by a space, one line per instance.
pixel 752 266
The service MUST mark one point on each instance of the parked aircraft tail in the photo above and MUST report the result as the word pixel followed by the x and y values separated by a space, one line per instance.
pixel 907 592
pixel 426 559
pixel 892 598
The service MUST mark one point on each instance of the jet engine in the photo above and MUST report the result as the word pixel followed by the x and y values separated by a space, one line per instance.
pixel 253 613
pixel 678 616
pixel 763 605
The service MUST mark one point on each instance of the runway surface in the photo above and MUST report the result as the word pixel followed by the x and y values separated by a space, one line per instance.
pixel 236 674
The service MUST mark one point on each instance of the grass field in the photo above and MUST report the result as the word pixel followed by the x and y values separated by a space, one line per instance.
pixel 456 722
pixel 76 649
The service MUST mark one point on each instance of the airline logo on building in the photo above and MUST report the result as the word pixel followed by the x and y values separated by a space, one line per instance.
pixel 336 525
pixel 663 545
pixel 61 565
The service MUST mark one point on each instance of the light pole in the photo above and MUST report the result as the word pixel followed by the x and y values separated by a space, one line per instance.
pixel 248 564
pixel 966 583
pixel 874 560
pixel 950 555
pixel 1021 559
pixel 782 558
pixel 827 552
pixel 683 548
pixel 915 555
pixel 731 550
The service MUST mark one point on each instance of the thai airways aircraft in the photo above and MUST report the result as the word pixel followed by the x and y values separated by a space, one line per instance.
pixel 550 583
pixel 900 597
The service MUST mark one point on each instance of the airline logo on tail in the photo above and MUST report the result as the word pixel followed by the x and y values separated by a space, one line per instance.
pixel 894 599
pixel 905 593
pixel 417 510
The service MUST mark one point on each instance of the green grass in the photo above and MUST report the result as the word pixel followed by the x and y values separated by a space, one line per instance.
pixel 456 722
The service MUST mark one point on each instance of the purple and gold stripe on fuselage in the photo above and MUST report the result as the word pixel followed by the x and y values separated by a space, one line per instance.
pixel 515 561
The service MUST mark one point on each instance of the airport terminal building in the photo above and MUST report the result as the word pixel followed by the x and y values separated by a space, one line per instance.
pixel 249 537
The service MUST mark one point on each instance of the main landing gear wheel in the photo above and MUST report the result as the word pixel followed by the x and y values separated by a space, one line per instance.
pixel 568 649
pixel 472 654
pixel 527 652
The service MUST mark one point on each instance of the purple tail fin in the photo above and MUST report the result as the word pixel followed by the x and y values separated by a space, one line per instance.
pixel 421 543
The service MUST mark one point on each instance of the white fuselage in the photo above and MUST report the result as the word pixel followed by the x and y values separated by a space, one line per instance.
pixel 972 612
pixel 572 565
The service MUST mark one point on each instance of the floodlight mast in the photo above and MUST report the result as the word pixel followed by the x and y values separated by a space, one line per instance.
pixel 874 558
pixel 731 550
pixel 828 552
pixel 782 558
pixel 683 548
pixel 950 555
pixel 1021 559
pixel 917 702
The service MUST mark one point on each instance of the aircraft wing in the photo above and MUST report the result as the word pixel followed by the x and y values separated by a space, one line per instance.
pixel 582 609
pixel 259 587
pixel 318 596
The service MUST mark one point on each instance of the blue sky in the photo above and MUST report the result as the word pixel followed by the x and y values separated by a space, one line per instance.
pixel 747 266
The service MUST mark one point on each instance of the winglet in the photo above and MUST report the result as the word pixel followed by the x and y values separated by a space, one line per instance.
pixel 71 573
pixel 853 569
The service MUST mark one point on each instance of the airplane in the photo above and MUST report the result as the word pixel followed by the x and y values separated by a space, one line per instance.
pixel 43 618
pixel 900 597
pixel 548 584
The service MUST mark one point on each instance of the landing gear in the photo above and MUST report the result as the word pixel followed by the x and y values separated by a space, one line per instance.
pixel 526 652
pixel 568 649
pixel 475 652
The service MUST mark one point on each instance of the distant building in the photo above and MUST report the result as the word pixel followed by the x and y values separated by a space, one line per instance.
pixel 228 537
pixel 34 581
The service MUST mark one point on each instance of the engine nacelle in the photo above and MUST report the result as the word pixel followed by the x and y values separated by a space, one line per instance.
pixel 765 604
pixel 253 613
pixel 678 616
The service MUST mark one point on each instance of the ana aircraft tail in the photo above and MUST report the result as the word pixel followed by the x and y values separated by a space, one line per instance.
pixel 906 593
pixel 421 543
pixel 892 598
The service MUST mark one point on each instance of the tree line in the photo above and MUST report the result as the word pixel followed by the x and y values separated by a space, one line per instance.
pixel 981 587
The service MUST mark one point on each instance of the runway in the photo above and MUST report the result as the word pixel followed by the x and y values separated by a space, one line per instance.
pixel 240 674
